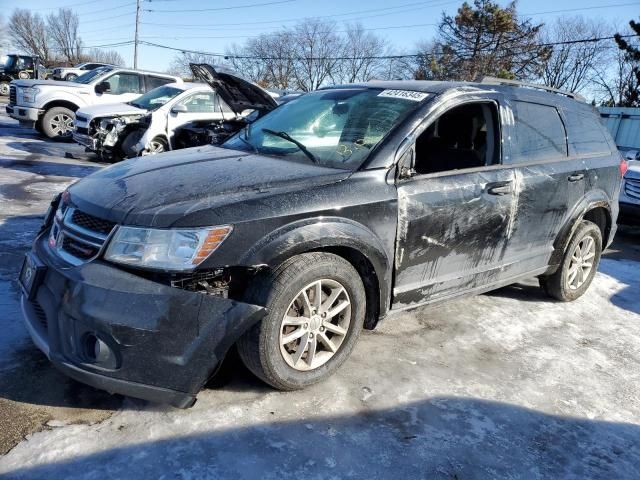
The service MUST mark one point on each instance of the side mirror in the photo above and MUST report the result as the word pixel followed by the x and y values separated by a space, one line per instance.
pixel 406 164
pixel 103 87
pixel 179 109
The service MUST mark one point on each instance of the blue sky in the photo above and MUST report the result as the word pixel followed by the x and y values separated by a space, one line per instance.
pixel 402 22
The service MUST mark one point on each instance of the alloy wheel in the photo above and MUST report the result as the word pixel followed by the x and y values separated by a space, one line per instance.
pixel 62 125
pixel 156 147
pixel 315 325
pixel 581 263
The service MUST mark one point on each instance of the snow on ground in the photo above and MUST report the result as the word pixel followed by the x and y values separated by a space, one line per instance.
pixel 503 385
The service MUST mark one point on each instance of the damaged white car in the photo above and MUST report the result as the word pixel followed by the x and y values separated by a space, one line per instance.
pixel 164 118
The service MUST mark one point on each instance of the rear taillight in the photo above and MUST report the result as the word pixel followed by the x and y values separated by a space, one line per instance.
pixel 623 167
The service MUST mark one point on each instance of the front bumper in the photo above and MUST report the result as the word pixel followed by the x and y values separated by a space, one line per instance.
pixel 24 114
pixel 86 141
pixel 166 342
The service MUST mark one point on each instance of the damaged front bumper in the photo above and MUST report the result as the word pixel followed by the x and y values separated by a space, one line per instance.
pixel 122 333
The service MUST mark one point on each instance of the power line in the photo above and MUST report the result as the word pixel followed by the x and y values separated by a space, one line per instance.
pixel 373 57
pixel 393 27
pixel 235 7
pixel 297 19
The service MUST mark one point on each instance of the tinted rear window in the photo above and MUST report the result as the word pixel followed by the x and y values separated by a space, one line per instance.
pixel 586 133
pixel 155 82
pixel 539 133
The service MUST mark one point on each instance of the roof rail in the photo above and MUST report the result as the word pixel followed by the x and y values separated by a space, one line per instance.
pixel 517 83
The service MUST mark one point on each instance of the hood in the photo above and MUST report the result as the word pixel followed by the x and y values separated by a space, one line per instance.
pixel 111 110
pixel 202 182
pixel 50 83
pixel 237 92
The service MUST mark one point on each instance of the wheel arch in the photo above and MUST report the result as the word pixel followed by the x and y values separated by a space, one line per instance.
pixel 348 239
pixel 60 103
pixel 595 207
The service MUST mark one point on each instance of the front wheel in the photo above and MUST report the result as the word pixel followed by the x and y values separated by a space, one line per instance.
pixel 57 123
pixel 4 88
pixel 316 308
pixel 71 77
pixel 579 264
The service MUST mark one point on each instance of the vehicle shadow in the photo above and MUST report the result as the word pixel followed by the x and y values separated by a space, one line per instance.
pixel 40 167
pixel 439 438
pixel 44 148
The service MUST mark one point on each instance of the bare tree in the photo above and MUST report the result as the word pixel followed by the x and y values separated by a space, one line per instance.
pixel 571 66
pixel 613 79
pixel 112 57
pixel 361 54
pixel 4 35
pixel 29 34
pixel 316 44
pixel 63 30
pixel 180 64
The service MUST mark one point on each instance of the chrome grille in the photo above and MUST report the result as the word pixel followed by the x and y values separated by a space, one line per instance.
pixel 76 236
pixel 632 187
pixel 12 95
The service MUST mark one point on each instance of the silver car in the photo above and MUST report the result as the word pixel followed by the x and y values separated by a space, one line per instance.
pixel 630 194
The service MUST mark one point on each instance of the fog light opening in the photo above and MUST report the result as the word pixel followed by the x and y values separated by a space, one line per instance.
pixel 98 352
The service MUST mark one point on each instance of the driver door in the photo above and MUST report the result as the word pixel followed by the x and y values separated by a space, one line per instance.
pixel 455 208
pixel 197 106
pixel 124 87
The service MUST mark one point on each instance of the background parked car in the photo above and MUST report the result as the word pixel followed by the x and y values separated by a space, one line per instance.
pixel 50 106
pixel 71 73
pixel 19 66
pixel 630 194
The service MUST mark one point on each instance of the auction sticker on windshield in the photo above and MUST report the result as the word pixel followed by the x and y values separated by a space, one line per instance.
pixel 406 94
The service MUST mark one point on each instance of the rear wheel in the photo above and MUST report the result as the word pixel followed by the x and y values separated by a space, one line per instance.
pixel 316 307
pixel 57 123
pixel 579 264
pixel 157 145
pixel 71 77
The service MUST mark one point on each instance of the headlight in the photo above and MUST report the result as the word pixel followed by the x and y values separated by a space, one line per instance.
pixel 171 249
pixel 29 94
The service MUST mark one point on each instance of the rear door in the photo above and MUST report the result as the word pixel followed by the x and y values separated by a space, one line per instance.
pixel 547 179
pixel 455 212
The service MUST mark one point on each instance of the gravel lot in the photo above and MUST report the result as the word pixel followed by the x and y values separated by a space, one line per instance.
pixel 504 385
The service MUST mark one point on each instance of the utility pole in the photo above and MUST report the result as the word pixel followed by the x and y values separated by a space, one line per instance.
pixel 135 42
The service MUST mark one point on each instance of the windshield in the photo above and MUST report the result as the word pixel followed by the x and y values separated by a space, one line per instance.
pixel 156 98
pixel 333 128
pixel 11 62
pixel 92 75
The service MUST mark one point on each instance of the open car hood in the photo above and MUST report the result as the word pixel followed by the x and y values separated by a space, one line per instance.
pixel 237 92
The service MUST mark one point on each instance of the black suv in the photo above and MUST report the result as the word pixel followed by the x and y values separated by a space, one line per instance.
pixel 330 212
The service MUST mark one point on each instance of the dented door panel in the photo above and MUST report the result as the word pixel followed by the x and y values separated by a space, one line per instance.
pixel 453 233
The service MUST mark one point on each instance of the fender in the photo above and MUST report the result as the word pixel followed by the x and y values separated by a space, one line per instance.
pixel 593 199
pixel 325 232
pixel 63 96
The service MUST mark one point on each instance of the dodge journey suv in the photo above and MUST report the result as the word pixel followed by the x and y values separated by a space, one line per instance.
pixel 339 208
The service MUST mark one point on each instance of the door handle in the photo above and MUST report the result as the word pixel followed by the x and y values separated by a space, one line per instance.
pixel 576 177
pixel 499 188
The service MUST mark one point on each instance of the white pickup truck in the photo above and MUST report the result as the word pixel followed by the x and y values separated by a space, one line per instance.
pixel 50 106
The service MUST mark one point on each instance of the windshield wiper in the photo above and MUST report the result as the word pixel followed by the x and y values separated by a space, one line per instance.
pixel 289 138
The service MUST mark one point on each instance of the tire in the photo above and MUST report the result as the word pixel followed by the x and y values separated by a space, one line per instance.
pixel 260 348
pixel 158 145
pixel 71 77
pixel 38 126
pixel 57 123
pixel 566 286
pixel 4 89
pixel 129 142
